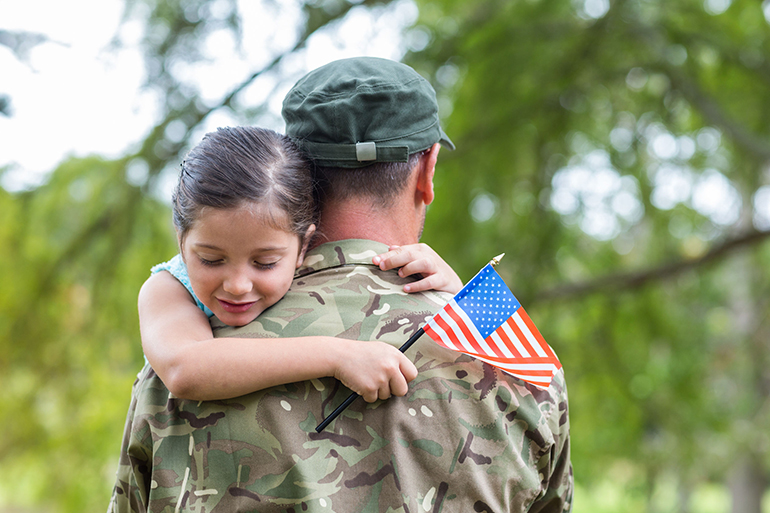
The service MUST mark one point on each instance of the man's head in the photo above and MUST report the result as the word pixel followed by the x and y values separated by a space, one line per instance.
pixel 365 122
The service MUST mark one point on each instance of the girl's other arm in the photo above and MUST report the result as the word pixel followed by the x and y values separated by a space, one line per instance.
pixel 420 259
pixel 179 344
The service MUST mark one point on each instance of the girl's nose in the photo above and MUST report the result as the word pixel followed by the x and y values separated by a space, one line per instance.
pixel 238 283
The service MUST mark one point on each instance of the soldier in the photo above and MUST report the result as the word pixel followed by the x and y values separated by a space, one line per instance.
pixel 465 437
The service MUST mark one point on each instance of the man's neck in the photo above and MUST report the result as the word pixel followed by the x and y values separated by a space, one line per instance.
pixel 359 220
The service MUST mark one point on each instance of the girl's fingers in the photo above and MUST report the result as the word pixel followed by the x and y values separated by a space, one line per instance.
pixel 422 266
pixel 398 256
pixel 421 285
pixel 408 370
pixel 385 392
pixel 392 259
pixel 391 372
pixel 399 386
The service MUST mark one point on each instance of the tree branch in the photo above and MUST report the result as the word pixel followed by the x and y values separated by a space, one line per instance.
pixel 193 113
pixel 635 280
pixel 713 112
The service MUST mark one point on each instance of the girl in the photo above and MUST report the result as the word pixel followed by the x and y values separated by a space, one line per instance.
pixel 244 214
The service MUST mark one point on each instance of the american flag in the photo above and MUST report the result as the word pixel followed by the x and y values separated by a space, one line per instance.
pixel 486 321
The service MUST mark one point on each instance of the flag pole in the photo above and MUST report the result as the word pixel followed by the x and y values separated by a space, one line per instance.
pixel 352 397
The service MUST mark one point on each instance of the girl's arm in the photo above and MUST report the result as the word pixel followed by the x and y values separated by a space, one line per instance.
pixel 420 259
pixel 179 344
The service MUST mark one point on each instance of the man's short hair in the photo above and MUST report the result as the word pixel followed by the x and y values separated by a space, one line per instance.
pixel 379 183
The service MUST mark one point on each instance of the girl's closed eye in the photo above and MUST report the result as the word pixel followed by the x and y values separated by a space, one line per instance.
pixel 265 266
pixel 209 262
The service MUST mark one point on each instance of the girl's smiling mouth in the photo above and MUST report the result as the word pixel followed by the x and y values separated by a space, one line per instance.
pixel 235 307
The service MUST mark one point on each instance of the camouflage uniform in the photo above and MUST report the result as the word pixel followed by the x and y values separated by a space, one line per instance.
pixel 465 438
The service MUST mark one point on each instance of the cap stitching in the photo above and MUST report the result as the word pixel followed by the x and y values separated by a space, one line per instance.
pixel 327 95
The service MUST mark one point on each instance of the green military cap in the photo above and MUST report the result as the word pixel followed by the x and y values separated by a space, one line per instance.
pixel 354 112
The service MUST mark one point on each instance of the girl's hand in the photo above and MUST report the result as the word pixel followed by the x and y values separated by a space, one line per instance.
pixel 374 370
pixel 420 259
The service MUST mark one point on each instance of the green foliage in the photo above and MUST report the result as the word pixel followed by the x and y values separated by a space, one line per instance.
pixel 656 304
pixel 76 251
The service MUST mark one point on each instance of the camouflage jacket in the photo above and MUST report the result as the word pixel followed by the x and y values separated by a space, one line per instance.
pixel 466 437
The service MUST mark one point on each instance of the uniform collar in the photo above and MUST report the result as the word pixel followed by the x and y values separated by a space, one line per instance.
pixel 340 253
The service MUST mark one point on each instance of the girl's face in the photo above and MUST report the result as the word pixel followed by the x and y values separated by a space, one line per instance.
pixel 238 263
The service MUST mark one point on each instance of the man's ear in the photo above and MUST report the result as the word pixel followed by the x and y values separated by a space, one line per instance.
pixel 305 244
pixel 427 168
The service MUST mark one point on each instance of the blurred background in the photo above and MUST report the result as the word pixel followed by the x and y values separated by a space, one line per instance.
pixel 616 151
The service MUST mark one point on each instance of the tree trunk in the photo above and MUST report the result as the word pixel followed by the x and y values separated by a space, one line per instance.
pixel 748 482
pixel 683 496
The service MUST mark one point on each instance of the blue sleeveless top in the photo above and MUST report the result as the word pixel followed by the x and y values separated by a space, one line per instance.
pixel 178 270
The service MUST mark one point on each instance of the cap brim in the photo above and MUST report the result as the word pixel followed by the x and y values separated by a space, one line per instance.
pixel 445 141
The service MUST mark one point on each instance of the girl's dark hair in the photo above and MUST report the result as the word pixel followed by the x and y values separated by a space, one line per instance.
pixel 243 164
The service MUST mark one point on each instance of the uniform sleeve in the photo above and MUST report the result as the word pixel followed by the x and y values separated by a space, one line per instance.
pixel 178 270
pixel 558 481
pixel 130 493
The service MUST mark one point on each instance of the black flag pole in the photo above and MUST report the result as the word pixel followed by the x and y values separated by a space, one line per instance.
pixel 352 397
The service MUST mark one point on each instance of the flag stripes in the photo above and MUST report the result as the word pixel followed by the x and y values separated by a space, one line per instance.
pixel 515 346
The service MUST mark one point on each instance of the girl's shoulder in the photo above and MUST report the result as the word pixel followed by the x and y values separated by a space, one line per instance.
pixel 177 268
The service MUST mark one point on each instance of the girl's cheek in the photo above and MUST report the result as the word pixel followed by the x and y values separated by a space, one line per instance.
pixel 202 278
